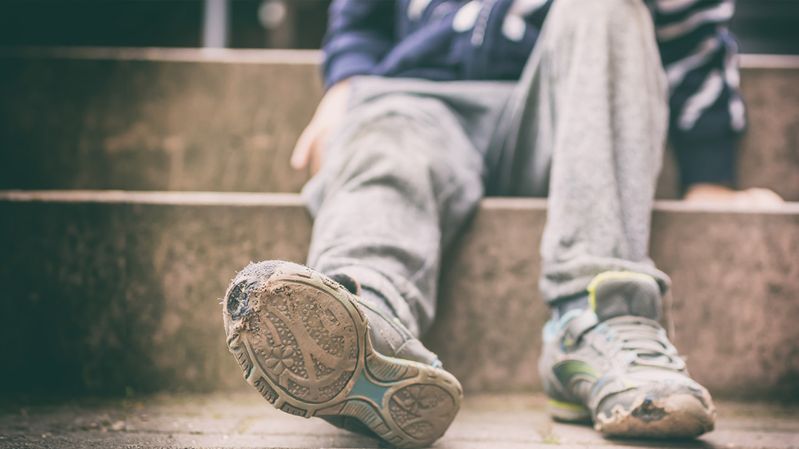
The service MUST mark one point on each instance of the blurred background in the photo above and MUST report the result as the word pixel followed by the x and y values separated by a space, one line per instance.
pixel 762 26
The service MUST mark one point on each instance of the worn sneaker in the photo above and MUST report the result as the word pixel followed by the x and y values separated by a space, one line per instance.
pixel 311 347
pixel 614 365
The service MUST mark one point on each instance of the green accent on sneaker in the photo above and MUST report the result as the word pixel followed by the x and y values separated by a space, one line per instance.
pixel 568 411
pixel 567 405
pixel 569 370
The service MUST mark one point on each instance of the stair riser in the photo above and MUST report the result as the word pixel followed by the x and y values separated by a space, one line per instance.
pixel 152 125
pixel 178 123
pixel 104 296
pixel 733 303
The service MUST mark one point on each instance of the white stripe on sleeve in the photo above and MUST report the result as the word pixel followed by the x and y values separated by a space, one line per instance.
pixel 733 78
pixel 416 8
pixel 672 6
pixel 701 100
pixel 737 113
pixel 676 71
pixel 716 14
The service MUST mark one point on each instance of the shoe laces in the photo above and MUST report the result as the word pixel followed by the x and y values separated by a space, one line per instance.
pixel 646 341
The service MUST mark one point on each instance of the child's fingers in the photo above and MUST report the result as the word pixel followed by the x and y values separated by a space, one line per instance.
pixel 303 148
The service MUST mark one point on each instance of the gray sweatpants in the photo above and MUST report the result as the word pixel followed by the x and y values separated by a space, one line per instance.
pixel 586 124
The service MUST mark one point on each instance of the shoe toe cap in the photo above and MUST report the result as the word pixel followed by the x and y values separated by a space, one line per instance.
pixel 658 409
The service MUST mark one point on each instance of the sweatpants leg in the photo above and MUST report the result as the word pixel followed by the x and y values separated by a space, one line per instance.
pixel 591 113
pixel 396 185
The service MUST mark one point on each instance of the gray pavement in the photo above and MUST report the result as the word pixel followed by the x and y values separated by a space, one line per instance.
pixel 239 420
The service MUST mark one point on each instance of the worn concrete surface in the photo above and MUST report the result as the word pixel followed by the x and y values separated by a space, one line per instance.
pixel 126 294
pixel 770 150
pixel 181 119
pixel 137 123
pixel 117 291
pixel 245 420
pixel 733 304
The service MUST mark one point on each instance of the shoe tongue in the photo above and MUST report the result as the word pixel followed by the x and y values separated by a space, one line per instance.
pixel 632 294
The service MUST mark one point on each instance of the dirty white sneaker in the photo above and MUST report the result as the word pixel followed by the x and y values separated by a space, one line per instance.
pixel 614 365
pixel 308 345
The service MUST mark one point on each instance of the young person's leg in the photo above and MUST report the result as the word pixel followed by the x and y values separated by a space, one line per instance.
pixel 592 115
pixel 591 126
pixel 395 185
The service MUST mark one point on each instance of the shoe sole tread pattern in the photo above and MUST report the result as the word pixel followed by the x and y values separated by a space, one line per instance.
pixel 304 345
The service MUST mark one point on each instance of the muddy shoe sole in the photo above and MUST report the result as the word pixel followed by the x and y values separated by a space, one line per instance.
pixel 303 343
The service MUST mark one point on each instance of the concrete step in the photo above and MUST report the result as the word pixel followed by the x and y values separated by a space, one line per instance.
pixel 244 419
pixel 106 291
pixel 226 120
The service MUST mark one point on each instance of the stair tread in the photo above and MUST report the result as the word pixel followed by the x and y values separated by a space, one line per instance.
pixel 244 420
pixel 178 198
pixel 265 56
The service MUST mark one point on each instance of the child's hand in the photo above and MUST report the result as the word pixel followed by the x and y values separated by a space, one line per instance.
pixel 718 194
pixel 310 146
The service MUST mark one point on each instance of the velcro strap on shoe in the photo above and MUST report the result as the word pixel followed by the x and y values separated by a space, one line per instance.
pixel 620 293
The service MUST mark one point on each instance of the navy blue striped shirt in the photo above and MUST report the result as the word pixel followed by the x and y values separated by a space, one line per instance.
pixel 492 39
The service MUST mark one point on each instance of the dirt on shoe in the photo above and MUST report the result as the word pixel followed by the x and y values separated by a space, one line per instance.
pixel 302 340
pixel 613 365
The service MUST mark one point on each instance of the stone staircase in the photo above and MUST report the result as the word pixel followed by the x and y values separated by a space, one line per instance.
pixel 123 216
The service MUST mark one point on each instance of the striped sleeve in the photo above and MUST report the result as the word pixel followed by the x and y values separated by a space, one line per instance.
pixel 700 57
